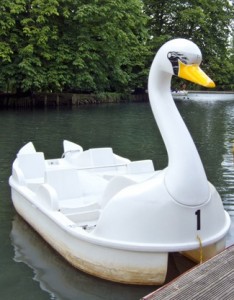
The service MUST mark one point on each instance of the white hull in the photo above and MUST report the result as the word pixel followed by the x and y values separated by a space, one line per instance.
pixel 93 257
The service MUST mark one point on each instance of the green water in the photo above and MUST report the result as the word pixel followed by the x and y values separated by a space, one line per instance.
pixel 30 269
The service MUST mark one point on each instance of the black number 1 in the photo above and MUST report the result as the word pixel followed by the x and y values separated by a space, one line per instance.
pixel 198 214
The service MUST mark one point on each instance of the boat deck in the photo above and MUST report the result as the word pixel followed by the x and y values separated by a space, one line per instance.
pixel 211 280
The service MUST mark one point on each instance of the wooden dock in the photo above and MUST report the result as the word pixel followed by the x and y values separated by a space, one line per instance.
pixel 213 279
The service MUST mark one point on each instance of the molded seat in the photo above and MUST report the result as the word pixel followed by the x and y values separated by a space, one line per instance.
pixel 137 171
pixel 32 166
pixel 75 189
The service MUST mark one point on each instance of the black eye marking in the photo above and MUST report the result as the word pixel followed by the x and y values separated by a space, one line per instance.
pixel 174 57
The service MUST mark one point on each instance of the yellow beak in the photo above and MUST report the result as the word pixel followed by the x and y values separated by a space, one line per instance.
pixel 195 74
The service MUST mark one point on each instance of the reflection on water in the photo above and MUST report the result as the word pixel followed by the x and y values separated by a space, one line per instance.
pixel 130 129
pixel 227 189
pixel 228 161
pixel 212 127
pixel 53 273
pixel 62 281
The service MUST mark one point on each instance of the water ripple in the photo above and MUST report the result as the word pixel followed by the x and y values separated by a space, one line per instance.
pixel 227 190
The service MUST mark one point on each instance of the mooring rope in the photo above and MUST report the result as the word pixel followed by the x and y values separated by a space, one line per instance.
pixel 200 245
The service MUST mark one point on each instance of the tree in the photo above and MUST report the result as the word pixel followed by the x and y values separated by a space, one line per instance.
pixel 207 23
pixel 56 44
pixel 106 45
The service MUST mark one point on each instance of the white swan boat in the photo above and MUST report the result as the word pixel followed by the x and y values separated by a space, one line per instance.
pixel 180 95
pixel 118 219
pixel 203 95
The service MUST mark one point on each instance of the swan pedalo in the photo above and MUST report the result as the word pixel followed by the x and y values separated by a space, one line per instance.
pixel 118 219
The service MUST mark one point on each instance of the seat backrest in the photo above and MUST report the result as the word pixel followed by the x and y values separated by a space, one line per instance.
pixel 96 157
pixel 140 166
pixel 65 182
pixel 32 164
pixel 102 157
pixel 70 146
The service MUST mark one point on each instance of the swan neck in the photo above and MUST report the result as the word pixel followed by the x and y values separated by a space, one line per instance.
pixel 185 178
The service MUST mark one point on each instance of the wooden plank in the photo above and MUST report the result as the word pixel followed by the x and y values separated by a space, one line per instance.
pixel 214 279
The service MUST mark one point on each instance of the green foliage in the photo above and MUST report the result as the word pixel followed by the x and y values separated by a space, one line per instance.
pixel 105 45
pixel 207 23
pixel 52 45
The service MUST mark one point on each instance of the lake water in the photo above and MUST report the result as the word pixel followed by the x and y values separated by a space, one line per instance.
pixel 30 269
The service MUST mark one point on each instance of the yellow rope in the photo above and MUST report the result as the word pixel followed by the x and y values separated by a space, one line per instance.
pixel 233 152
pixel 200 245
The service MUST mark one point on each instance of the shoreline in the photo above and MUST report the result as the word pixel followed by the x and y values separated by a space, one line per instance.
pixel 10 100
pixel 40 100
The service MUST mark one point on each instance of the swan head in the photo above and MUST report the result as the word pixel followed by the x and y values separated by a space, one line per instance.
pixel 182 58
